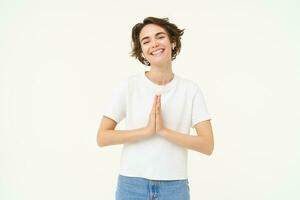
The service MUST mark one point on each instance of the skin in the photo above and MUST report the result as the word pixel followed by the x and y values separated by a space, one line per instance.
pixel 160 73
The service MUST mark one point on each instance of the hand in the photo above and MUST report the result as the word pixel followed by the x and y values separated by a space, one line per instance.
pixel 159 125
pixel 150 128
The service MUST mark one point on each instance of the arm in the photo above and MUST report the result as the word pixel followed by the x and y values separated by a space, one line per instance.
pixel 202 143
pixel 108 136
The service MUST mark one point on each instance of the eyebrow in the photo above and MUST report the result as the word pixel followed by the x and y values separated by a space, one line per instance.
pixel 147 37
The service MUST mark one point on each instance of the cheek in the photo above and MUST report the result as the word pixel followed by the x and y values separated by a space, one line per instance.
pixel 144 50
pixel 166 42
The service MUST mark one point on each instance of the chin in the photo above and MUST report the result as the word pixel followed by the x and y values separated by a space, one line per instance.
pixel 159 61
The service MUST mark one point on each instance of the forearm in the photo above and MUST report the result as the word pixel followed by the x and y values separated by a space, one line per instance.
pixel 197 143
pixel 113 137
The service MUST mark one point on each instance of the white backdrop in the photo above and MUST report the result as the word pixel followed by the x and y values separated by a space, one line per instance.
pixel 61 60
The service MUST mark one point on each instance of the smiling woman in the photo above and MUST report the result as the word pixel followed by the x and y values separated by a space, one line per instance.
pixel 156 139
pixel 167 32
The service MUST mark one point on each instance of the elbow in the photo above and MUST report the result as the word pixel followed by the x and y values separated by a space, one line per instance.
pixel 100 141
pixel 207 152
pixel 210 147
pixel 210 150
pixel 100 144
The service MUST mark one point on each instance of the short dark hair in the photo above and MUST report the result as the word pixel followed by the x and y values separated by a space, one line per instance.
pixel 174 34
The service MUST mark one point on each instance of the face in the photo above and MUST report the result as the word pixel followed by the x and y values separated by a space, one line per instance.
pixel 155 43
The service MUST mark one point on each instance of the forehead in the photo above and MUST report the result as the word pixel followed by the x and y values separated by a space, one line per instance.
pixel 151 30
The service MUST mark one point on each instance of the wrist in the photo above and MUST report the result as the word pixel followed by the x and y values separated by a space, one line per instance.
pixel 163 132
pixel 146 132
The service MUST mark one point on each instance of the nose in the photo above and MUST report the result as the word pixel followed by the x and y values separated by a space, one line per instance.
pixel 154 43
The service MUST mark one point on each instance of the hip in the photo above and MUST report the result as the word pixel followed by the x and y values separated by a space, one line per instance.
pixel 137 188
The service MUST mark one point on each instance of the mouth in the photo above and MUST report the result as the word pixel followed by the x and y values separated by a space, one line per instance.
pixel 157 52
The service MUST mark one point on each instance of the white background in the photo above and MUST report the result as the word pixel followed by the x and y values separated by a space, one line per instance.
pixel 61 60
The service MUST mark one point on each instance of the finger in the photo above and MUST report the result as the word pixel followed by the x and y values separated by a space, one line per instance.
pixel 154 104
pixel 158 104
pixel 159 101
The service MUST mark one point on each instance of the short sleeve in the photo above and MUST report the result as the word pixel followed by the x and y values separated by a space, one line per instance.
pixel 199 108
pixel 116 106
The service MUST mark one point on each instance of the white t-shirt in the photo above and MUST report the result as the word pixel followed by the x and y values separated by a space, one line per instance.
pixel 182 106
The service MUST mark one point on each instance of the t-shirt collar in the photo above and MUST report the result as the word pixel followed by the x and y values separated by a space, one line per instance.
pixel 159 89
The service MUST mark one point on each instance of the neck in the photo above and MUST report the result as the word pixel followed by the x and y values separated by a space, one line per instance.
pixel 161 74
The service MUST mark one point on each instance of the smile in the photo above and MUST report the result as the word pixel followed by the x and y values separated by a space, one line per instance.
pixel 157 52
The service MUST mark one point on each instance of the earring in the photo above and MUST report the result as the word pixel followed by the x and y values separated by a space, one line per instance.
pixel 145 60
pixel 173 46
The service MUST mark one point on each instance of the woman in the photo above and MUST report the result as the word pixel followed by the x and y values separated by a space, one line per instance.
pixel 160 107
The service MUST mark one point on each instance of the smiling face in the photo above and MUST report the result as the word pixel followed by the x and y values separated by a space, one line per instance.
pixel 155 43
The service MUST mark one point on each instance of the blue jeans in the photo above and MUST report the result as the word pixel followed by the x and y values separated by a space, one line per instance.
pixel 135 188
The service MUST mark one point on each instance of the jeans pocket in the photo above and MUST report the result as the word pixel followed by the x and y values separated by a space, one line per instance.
pixel 188 185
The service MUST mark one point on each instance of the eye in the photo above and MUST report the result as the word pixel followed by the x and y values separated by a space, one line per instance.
pixel 161 37
pixel 145 42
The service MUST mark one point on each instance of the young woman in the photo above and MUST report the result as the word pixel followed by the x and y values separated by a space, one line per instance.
pixel 159 108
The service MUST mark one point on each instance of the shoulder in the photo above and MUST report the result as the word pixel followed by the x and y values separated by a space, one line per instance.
pixel 188 84
pixel 135 80
pixel 126 80
pixel 129 81
pixel 134 77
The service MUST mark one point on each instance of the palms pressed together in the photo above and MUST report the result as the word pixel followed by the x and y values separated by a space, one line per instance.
pixel 155 123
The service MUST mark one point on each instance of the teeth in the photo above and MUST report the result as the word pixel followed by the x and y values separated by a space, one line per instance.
pixel 157 52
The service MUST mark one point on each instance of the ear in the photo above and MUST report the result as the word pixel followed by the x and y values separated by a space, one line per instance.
pixel 173 45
